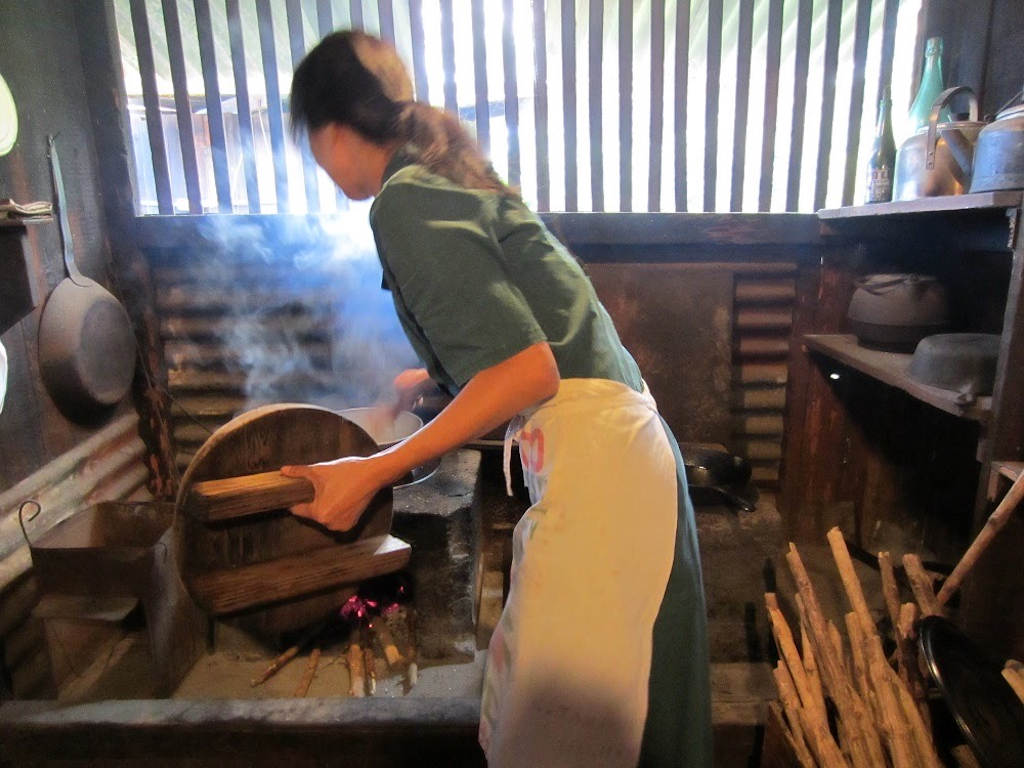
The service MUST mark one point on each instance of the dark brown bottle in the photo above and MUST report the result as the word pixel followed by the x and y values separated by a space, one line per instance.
pixel 882 159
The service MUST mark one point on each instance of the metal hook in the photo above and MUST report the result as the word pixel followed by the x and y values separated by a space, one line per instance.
pixel 21 519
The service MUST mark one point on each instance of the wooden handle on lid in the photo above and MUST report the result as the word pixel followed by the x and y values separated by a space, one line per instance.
pixel 233 497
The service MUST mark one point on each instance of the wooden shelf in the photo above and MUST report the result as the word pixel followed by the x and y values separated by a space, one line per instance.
pixel 949 204
pixel 21 222
pixel 1010 469
pixel 891 368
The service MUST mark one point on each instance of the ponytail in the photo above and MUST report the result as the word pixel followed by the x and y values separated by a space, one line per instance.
pixel 444 147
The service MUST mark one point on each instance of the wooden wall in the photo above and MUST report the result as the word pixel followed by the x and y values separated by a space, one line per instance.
pixel 42 65
pixel 982 47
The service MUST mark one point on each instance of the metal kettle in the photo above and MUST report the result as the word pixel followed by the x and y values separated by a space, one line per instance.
pixel 939 161
pixel 999 156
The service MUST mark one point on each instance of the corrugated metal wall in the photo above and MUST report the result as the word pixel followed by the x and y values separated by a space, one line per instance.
pixel 109 466
pixel 211 378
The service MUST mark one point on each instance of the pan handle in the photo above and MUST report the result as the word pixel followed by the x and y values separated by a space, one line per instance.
pixel 62 216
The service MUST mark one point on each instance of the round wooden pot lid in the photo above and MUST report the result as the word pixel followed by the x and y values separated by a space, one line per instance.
pixel 273 572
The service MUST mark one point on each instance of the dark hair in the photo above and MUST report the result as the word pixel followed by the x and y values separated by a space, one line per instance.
pixel 351 78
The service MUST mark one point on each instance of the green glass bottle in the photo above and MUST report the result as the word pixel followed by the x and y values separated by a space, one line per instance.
pixel 882 160
pixel 932 85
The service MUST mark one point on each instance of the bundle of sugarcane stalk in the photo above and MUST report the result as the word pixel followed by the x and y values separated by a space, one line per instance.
pixel 878 715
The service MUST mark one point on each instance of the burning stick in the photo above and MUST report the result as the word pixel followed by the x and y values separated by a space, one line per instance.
pixel 356 685
pixel 387 643
pixel 370 664
pixel 307 678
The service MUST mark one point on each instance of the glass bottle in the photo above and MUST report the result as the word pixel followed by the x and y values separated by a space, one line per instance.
pixel 882 160
pixel 932 85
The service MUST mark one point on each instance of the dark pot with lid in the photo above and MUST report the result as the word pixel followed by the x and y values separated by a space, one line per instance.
pixel 895 311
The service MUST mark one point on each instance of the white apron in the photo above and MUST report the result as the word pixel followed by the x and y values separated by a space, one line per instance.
pixel 567 674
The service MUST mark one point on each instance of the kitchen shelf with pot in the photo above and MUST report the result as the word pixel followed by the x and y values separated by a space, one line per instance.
pixel 891 368
pixel 891 475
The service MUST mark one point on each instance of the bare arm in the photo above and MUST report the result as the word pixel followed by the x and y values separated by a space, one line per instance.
pixel 345 487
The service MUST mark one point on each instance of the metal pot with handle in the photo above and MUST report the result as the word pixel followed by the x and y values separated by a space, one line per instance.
pixel 86 344
pixel 999 156
pixel 939 161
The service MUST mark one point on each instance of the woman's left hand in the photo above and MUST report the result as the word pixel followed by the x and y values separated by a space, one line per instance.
pixel 344 489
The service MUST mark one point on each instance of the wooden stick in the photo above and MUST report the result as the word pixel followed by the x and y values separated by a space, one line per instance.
pixel 993 525
pixel 821 742
pixel 387 643
pixel 276 665
pixel 412 673
pixel 356 685
pixel 307 678
pixel 860 667
pixel 787 648
pixel 851 584
pixel 370 666
pixel 921 583
pixel 865 744
pixel 1015 679
pixel 901 746
pixel 791 704
pixel 909 668
pixel 920 727
pixel 810 664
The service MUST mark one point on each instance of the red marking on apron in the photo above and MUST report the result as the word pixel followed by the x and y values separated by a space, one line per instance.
pixel 531 450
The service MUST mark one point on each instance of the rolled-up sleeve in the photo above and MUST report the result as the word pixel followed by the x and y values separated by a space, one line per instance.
pixel 453 276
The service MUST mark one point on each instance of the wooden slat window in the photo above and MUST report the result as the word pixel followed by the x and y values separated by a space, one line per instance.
pixel 590 105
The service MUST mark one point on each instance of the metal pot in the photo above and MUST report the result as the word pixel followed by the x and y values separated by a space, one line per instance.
pixel 896 311
pixel 939 161
pixel 962 362
pixel 387 430
pixel 999 156
pixel 86 344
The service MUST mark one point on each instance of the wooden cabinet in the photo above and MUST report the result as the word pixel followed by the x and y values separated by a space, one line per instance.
pixel 896 464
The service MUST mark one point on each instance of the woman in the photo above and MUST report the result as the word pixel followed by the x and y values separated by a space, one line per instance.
pixel 600 656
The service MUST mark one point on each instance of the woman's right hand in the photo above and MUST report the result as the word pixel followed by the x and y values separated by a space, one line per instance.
pixel 410 385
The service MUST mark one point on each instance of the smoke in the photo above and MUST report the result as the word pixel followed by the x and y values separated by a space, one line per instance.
pixel 298 311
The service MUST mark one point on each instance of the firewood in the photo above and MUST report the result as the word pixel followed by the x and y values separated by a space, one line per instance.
pixel 964 756
pixel 307 678
pixel 356 675
pixel 909 665
pixel 387 644
pixel 809 698
pixel 921 583
pixel 1015 679
pixel 993 525
pixel 860 667
pixel 791 704
pixel 276 665
pixel 821 742
pixel 370 666
pixel 810 665
pixel 864 741
pixel 412 669
pixel 901 746
pixel 848 576
pixel 920 726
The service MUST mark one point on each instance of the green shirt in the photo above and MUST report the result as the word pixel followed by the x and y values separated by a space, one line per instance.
pixel 476 277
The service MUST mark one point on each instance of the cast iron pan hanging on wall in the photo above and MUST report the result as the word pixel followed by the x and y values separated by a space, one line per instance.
pixel 86 345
